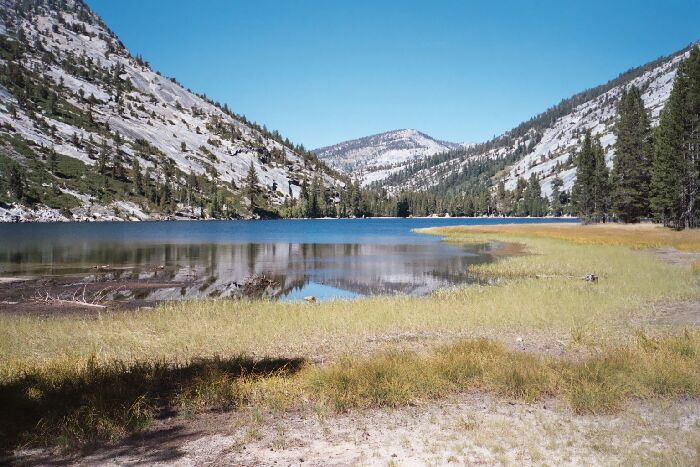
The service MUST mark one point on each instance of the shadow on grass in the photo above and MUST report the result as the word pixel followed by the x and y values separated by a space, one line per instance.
pixel 78 407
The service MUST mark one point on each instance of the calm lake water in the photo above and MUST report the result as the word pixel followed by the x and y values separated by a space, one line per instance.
pixel 286 259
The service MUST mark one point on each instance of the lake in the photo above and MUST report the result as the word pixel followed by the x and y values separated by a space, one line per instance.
pixel 149 262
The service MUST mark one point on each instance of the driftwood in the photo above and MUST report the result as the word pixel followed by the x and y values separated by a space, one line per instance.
pixel 591 278
pixel 588 277
pixel 79 298
pixel 79 303
pixel 258 285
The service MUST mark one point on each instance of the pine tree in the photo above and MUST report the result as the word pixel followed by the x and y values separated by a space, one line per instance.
pixel 503 200
pixel 53 161
pixel 136 176
pixel 215 203
pixel 676 161
pixel 402 207
pixel 534 204
pixel 556 207
pixel 166 196
pixel 601 186
pixel 314 203
pixel 118 172
pixel 52 103
pixel 251 187
pixel 355 199
pixel 631 174
pixel 103 159
pixel 16 181
pixel 590 191
pixel 519 197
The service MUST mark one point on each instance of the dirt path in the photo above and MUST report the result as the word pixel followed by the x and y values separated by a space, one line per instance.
pixel 472 429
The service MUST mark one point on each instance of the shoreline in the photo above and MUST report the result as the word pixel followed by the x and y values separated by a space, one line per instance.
pixel 564 219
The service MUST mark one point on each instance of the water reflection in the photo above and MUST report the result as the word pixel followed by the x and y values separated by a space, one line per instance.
pixel 158 272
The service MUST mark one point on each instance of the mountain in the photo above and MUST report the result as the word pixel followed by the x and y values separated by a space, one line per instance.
pixel 374 158
pixel 547 143
pixel 90 132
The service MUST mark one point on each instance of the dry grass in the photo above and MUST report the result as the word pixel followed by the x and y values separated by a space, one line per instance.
pixel 695 267
pixel 642 367
pixel 66 404
pixel 75 406
pixel 634 236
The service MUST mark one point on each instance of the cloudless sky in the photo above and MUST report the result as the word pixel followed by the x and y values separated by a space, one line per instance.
pixel 324 71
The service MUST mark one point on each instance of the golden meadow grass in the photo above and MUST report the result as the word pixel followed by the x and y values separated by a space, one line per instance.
pixel 79 405
pixel 634 236
pixel 540 292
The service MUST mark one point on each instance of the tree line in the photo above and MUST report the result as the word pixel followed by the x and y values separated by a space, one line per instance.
pixel 655 173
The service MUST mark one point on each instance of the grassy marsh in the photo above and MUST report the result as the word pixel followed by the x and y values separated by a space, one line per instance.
pixel 539 292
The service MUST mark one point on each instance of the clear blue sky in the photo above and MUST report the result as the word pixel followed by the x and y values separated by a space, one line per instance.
pixel 323 71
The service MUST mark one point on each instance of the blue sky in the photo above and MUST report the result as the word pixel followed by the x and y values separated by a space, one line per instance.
pixel 323 71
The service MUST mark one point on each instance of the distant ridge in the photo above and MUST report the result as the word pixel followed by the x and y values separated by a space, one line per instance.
pixel 373 158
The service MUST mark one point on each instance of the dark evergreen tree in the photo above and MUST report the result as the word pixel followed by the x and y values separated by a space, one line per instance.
pixel 136 176
pixel 215 207
pixel 118 171
pixel 519 198
pixel 16 181
pixel 676 163
pixel 535 205
pixel 631 174
pixel 590 193
pixel 103 159
pixel 355 199
pixel 402 207
pixel 558 198
pixel 53 161
pixel 251 188
pixel 503 200
pixel 167 201
pixel 313 209
pixel 601 185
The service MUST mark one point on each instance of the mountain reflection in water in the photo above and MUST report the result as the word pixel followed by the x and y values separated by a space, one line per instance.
pixel 135 264
pixel 181 271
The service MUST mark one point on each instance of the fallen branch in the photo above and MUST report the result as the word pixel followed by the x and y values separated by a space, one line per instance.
pixel 588 277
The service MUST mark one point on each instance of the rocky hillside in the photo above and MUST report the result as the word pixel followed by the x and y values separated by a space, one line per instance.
pixel 546 144
pixel 374 158
pixel 88 131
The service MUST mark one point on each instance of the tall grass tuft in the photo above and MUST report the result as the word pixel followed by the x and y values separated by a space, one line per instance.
pixel 78 404
pixel 643 367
